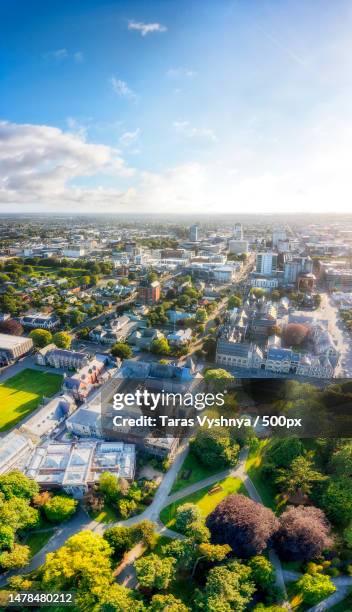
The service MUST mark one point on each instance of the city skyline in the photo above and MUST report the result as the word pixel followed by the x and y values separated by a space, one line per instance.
pixel 112 107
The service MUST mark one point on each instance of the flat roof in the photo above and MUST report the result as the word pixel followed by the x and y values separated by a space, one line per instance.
pixel 8 341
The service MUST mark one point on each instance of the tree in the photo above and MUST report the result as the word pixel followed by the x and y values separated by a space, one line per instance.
pixel 109 486
pixel 119 598
pixel 337 501
pixel 41 337
pixel 244 524
pixel 154 572
pixel 7 537
pixel 120 539
pixel 220 379
pixel 263 572
pixel 186 515
pixel 315 588
pixel 228 587
pixel 60 508
pixel 62 340
pixel 83 565
pixel 215 448
pixel 145 531
pixel 122 350
pixel 167 603
pixel 11 326
pixel 201 315
pixel 18 514
pixel 17 557
pixel 160 346
pixel 295 334
pixel 304 534
pixel 299 477
pixel 234 302
pixel 16 484
pixel 341 461
pixel 282 452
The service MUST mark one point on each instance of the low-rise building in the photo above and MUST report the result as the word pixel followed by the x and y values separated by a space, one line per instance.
pixel 75 466
pixel 40 321
pixel 52 356
pixel 13 347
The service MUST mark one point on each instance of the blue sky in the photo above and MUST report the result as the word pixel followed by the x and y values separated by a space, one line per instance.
pixel 177 105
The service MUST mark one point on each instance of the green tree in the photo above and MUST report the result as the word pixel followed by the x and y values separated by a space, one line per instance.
pixel 18 514
pixel 282 452
pixel 62 340
pixel 60 508
pixel 234 302
pixel 337 501
pixel 300 476
pixel 120 539
pixel 160 346
pixel 41 337
pixel 341 461
pixel 228 587
pixel 167 603
pixel 315 588
pixel 122 350
pixel 119 599
pixel 17 557
pixel 154 572
pixel 201 315
pixel 7 537
pixel 263 572
pixel 16 484
pixel 109 486
pixel 186 515
pixel 220 379
pixel 215 448
pixel 82 565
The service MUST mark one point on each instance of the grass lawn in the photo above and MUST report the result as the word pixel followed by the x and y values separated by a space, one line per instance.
pixel 253 467
pixel 106 515
pixel 22 393
pixel 196 471
pixel 38 539
pixel 203 500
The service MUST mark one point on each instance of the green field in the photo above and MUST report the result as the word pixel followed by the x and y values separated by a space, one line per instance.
pixel 22 393
pixel 205 501
pixel 192 471
pixel 37 539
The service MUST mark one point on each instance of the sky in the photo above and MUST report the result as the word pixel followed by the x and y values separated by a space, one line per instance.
pixel 189 106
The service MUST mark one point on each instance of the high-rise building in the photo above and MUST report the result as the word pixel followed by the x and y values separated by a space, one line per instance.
pixel 266 263
pixel 294 266
pixel 194 233
pixel 238 232
pixel 149 292
pixel 279 234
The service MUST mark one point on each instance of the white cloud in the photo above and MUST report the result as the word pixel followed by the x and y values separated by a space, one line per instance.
pixel 41 166
pixel 129 138
pixel 59 55
pixel 177 73
pixel 186 129
pixel 122 89
pixel 146 28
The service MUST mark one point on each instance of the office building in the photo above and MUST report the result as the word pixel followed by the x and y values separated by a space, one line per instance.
pixel 279 235
pixel 238 232
pixel 194 233
pixel 266 263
